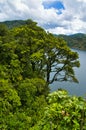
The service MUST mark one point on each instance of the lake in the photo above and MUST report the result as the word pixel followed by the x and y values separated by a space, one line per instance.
pixel 74 88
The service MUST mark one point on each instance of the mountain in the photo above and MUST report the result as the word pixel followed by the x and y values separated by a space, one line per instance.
pixel 17 23
pixel 13 23
pixel 77 41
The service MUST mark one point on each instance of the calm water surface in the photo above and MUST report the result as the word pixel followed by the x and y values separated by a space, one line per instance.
pixel 74 88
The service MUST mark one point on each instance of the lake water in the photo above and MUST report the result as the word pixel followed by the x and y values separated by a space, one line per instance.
pixel 74 88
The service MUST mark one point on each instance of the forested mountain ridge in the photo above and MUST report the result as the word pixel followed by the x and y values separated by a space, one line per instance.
pixel 14 23
pixel 28 55
pixel 77 41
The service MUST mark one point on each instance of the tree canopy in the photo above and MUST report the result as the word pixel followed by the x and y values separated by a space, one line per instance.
pixel 28 56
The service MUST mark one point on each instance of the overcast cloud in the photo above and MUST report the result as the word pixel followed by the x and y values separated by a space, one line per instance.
pixel 67 19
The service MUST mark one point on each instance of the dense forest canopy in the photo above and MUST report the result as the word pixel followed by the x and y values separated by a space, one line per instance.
pixel 28 56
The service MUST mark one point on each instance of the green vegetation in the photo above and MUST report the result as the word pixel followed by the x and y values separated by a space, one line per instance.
pixel 63 112
pixel 77 41
pixel 14 23
pixel 28 56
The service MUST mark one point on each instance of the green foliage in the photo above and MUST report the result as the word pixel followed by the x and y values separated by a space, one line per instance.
pixel 32 94
pixel 33 51
pixel 14 121
pixel 63 113
pixel 29 89
pixel 3 30
pixel 28 56
pixel 23 107
pixel 8 95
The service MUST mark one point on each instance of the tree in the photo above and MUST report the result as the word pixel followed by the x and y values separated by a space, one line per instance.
pixel 59 60
pixel 46 54
pixel 30 48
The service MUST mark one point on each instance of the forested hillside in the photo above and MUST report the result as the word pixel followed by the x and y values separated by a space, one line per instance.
pixel 14 23
pixel 77 41
pixel 28 56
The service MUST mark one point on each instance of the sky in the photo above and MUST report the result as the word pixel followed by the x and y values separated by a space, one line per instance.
pixel 55 16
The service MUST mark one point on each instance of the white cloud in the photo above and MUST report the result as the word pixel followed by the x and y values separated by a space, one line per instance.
pixel 48 1
pixel 71 20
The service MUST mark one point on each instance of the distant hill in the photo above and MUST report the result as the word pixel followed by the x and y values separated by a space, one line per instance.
pixel 17 23
pixel 14 23
pixel 77 41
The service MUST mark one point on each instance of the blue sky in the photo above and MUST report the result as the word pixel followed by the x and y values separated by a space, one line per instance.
pixel 55 4
pixel 55 16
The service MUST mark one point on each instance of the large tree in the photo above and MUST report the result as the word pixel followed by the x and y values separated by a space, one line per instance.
pixel 60 60
pixel 36 52
pixel 45 54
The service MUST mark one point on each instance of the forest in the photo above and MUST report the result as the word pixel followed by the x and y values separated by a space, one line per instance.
pixel 75 41
pixel 28 56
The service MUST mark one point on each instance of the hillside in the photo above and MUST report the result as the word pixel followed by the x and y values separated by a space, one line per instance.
pixel 77 41
pixel 16 23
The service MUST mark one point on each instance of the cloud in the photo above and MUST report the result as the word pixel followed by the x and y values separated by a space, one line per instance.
pixel 73 18
pixel 67 17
